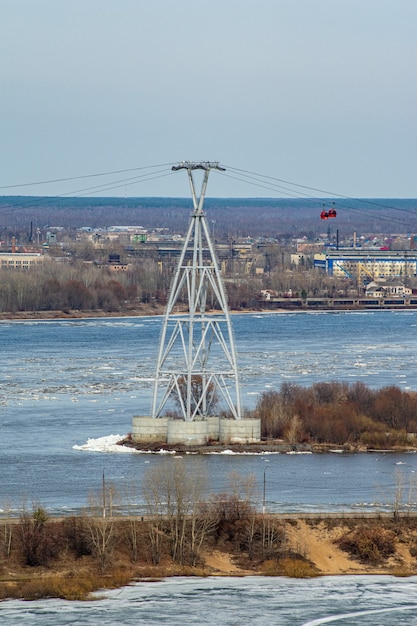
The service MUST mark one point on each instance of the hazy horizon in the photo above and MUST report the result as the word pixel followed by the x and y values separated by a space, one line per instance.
pixel 316 92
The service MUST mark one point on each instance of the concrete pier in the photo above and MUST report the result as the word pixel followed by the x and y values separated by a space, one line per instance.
pixel 147 429
pixel 193 433
pixel 240 431
pixel 213 427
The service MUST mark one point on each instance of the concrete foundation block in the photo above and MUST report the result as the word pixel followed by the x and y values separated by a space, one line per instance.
pixel 149 430
pixel 188 433
pixel 240 431
pixel 213 422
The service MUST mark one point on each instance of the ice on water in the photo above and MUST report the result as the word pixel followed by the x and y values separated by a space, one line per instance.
pixel 254 601
pixel 104 444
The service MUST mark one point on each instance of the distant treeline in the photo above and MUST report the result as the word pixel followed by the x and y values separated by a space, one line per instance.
pixel 89 287
pixel 232 217
pixel 339 413
pixel 81 287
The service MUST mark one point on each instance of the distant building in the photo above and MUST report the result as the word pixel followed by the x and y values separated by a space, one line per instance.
pixel 298 258
pixel 380 289
pixel 126 229
pixel 122 234
pixel 20 260
pixel 307 247
pixel 365 264
pixel 114 264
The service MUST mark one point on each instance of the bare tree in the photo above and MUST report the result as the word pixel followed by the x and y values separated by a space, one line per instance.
pixel 151 486
pixel 241 494
pixel 198 386
pixel 202 518
pixel 134 522
pixel 293 431
pixel 404 494
pixel 273 537
pixel 176 490
pixel 398 494
pixel 100 523
pixel 174 500
pixel 7 533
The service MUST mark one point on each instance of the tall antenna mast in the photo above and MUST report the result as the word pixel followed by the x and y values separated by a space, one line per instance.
pixel 196 364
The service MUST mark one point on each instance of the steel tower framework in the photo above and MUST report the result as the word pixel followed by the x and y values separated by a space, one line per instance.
pixel 196 363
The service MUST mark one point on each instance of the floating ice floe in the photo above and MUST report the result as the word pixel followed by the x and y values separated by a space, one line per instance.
pixel 228 452
pixel 299 452
pixel 160 451
pixel 104 444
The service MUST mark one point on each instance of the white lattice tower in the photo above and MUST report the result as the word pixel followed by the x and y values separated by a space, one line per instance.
pixel 196 363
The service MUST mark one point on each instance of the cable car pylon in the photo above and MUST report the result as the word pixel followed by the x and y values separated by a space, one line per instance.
pixel 196 372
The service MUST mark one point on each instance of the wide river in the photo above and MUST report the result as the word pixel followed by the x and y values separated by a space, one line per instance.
pixel 69 388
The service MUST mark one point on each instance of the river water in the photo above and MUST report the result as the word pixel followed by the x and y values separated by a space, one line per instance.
pixel 68 386
pixel 69 390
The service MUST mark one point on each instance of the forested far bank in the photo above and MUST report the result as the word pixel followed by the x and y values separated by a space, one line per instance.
pixel 82 287
pixel 84 282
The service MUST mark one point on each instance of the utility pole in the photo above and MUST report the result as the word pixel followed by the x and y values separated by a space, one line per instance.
pixel 104 495
pixel 264 494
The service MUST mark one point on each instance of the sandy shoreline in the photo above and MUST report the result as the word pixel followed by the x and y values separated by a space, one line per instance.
pixel 310 547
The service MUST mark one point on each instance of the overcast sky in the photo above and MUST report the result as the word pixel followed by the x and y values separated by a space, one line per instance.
pixel 322 93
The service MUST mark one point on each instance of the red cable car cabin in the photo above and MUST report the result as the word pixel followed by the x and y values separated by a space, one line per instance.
pixel 325 215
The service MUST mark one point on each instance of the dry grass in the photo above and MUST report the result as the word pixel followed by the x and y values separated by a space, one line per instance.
pixel 57 586
pixel 402 571
pixel 293 567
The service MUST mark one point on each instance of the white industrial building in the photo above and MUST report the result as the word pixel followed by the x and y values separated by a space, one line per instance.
pixel 365 264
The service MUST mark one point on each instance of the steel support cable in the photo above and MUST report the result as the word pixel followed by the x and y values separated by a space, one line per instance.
pixel 118 185
pixel 330 194
pixel 8 208
pixel 319 201
pixel 61 180
pixel 124 182
pixel 249 180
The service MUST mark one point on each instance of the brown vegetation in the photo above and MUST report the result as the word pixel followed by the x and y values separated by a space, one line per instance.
pixel 350 415
pixel 183 534
pixel 252 544
pixel 81 287
pixel 370 544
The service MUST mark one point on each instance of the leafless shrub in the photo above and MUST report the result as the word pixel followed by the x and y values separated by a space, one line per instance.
pixel 76 534
pixel 369 544
pixel 40 542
